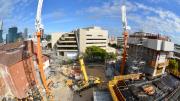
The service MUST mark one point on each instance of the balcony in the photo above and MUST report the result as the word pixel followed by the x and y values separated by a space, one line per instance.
pixel 66 45
pixel 65 50
pixel 65 41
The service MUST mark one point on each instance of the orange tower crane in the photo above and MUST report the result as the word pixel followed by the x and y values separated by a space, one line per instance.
pixel 125 36
pixel 39 32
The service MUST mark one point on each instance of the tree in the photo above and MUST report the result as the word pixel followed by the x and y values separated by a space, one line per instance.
pixel 94 53
pixel 173 64
pixel 48 37
pixel 110 56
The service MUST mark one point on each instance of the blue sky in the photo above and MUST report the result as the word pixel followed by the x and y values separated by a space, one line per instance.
pixel 158 16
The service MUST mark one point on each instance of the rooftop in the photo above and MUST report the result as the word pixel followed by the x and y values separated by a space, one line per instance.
pixel 150 36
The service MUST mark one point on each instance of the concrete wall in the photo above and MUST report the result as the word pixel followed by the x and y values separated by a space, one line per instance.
pixel 155 44
pixel 55 37
pixel 94 36
pixel 168 46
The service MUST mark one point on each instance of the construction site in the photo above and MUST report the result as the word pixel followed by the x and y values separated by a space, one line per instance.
pixel 59 70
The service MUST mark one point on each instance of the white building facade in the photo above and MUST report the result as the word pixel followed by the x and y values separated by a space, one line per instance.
pixel 66 44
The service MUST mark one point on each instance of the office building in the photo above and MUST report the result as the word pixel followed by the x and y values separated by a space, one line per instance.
pixel 66 43
pixel 92 36
pixel 25 34
pixel 112 40
pixel 12 35
pixel 120 41
pixel 1 32
pixel 1 38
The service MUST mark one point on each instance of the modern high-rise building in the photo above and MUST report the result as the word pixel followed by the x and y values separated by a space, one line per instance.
pixel 1 38
pixel 12 34
pixel 25 34
pixel 1 32
pixel 20 36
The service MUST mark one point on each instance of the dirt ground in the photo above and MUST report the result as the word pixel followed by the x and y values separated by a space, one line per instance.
pixel 98 71
pixel 64 93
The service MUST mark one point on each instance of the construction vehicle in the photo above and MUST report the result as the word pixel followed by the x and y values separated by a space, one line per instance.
pixel 39 32
pixel 88 81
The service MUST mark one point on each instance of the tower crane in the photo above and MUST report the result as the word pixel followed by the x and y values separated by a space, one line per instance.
pixel 125 36
pixel 39 32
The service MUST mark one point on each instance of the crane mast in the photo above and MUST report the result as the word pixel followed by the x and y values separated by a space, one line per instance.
pixel 125 38
pixel 39 32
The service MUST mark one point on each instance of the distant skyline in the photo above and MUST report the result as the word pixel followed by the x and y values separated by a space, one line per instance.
pixel 159 16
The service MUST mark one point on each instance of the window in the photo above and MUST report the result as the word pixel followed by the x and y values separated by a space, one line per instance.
pixel 61 53
pixel 95 42
pixel 96 39
pixel 67 48
pixel 88 35
pixel 71 35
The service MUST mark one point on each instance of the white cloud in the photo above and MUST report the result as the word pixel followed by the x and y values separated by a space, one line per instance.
pixel 15 13
pixel 142 17
pixel 107 9
pixel 5 7
pixel 8 6
pixel 157 20
pixel 53 15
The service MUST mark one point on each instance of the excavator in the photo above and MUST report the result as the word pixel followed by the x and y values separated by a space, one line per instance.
pixel 39 33
pixel 88 81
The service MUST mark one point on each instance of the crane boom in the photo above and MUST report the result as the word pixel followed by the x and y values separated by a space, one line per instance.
pixel 81 61
pixel 124 19
pixel 39 32
pixel 38 23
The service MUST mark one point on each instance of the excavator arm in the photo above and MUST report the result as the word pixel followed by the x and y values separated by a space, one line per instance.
pixel 81 60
